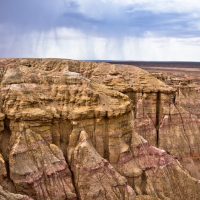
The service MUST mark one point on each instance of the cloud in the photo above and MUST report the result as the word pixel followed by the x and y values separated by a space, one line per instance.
pixel 87 29
pixel 110 18
pixel 96 18
pixel 164 6
pixel 30 15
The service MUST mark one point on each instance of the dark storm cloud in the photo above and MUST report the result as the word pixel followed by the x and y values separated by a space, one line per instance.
pixel 30 28
pixel 34 15
pixel 137 24
pixel 162 24
pixel 26 15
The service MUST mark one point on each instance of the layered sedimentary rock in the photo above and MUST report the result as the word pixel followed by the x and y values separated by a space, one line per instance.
pixel 5 195
pixel 166 109
pixel 184 118
pixel 90 169
pixel 75 130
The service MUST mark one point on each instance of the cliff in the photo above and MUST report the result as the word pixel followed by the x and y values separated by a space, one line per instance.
pixel 83 130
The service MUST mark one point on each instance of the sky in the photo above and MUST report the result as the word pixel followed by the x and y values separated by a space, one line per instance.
pixel 140 30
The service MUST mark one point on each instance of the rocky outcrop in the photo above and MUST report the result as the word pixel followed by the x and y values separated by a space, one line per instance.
pixel 5 195
pixel 39 169
pixel 75 130
pixel 103 181
pixel 166 109
pixel 184 119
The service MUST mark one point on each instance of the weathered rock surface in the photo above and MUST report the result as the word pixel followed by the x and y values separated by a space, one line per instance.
pixel 39 169
pixel 75 130
pixel 166 109
pixel 184 119
pixel 5 195
pixel 103 181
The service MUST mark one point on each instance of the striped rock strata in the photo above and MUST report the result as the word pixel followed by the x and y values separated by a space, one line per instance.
pixel 166 109
pixel 65 135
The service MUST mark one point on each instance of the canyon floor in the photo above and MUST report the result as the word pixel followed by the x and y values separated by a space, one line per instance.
pixel 86 130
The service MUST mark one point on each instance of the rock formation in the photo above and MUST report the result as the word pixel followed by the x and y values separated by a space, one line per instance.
pixel 82 130
pixel 166 109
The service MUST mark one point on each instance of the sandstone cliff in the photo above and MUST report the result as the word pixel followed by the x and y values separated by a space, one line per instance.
pixel 83 130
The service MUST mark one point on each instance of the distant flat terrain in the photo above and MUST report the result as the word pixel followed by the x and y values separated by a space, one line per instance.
pixel 175 69
pixel 155 64
pixel 163 66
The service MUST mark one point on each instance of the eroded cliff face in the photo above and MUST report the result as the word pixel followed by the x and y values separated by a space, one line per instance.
pixel 166 109
pixel 75 130
pixel 185 120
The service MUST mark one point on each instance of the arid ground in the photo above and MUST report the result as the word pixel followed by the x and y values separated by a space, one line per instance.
pixel 190 70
